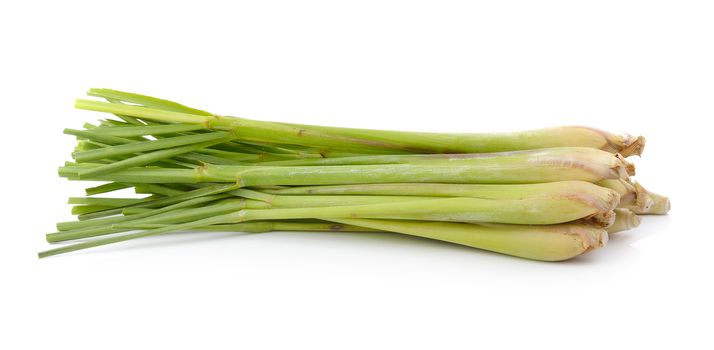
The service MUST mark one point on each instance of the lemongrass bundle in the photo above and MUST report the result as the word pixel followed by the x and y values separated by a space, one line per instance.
pixel 548 194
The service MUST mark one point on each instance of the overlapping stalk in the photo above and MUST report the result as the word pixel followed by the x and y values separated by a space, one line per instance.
pixel 548 194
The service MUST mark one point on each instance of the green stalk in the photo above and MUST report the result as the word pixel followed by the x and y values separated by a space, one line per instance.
pixel 595 201
pixel 541 211
pixel 536 210
pixel 83 210
pixel 109 187
pixel 144 100
pixel 321 201
pixel 353 139
pixel 269 226
pixel 152 175
pixel 573 136
pixel 558 164
pixel 220 219
pixel 548 189
pixel 518 167
pixel 547 243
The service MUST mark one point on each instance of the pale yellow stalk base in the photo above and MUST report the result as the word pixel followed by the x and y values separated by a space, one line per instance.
pixel 545 243
pixel 625 219
pixel 649 202
pixel 626 190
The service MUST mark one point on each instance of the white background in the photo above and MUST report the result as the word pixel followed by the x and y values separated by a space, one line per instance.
pixel 644 67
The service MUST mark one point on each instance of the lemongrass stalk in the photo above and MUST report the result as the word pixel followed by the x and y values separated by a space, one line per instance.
pixel 590 202
pixel 536 210
pixel 521 167
pixel 545 243
pixel 220 219
pixel 498 191
pixel 301 201
pixel 267 226
pixel 625 219
pixel 289 226
pixel 83 210
pixel 144 100
pixel 345 138
pixel 580 155
pixel 309 201
pixel 595 201
pixel 574 136
pixel 94 214
pixel 152 174
pixel 558 164
pixel 105 188
pixel 541 211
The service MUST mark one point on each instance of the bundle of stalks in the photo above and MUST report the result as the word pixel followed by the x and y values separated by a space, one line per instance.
pixel 549 194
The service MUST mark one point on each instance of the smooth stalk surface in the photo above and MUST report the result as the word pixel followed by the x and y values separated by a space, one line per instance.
pixel 362 139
